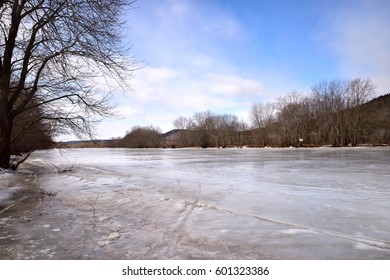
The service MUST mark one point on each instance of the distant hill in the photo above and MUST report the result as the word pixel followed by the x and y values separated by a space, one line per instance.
pixel 380 102
pixel 171 133
pixel 377 117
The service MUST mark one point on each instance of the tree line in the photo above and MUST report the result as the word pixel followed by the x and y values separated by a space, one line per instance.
pixel 335 113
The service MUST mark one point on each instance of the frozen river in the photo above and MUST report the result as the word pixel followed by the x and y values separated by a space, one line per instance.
pixel 320 203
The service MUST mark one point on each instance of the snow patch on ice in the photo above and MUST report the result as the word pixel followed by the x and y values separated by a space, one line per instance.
pixel 362 246
pixel 296 231
pixel 113 236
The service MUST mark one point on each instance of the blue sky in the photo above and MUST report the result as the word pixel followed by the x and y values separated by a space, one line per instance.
pixel 224 55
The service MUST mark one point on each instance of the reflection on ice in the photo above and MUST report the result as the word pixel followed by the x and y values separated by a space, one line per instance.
pixel 200 203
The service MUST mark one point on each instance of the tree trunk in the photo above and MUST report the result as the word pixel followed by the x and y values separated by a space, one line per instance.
pixel 5 142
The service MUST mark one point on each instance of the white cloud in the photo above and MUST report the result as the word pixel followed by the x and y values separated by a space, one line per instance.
pixel 152 83
pixel 362 40
pixel 234 85
pixel 182 90
pixel 157 75
pixel 128 111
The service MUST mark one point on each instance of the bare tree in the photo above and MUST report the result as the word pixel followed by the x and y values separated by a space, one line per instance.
pixel 142 137
pixel 261 116
pixel 329 105
pixel 184 135
pixel 225 130
pixel 208 129
pixel 51 51
pixel 338 110
pixel 202 124
pixel 181 122
pixel 293 115
pixel 357 93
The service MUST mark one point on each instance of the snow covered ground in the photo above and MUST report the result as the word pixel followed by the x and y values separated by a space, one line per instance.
pixel 325 203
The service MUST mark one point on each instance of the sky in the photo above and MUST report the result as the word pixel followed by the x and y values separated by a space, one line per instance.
pixel 224 55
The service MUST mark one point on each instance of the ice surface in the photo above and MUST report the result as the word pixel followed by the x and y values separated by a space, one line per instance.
pixel 198 204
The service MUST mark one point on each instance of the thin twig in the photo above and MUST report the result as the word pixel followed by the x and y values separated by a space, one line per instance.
pixel 93 205
pixel 15 163
pixel 63 170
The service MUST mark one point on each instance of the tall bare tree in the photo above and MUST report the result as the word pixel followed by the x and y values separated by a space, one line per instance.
pixel 261 116
pixel 329 100
pixel 358 93
pixel 294 117
pixel 50 51
pixel 181 122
